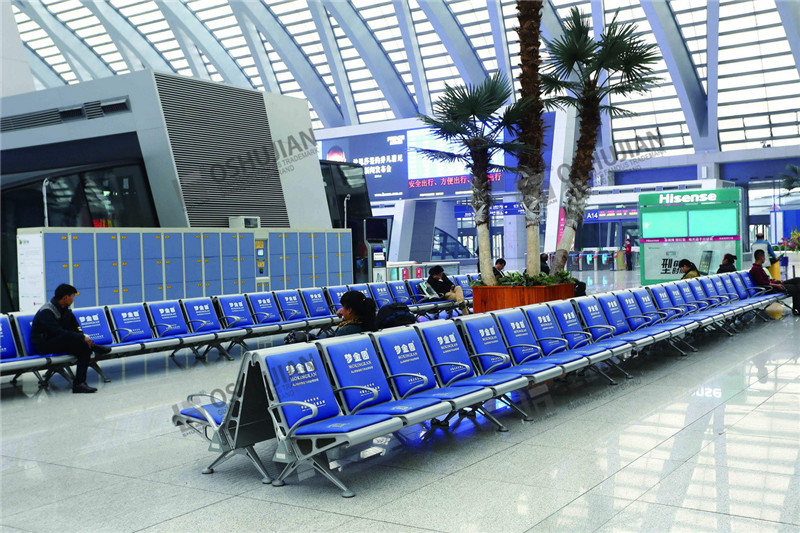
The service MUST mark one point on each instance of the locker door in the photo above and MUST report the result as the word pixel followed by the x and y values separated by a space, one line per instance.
pixel 290 243
pixel 107 246
pixel 131 267
pixel 306 243
pixel 56 273
pixel 173 245
pixel 173 270
pixel 247 262
pixel 56 247
pixel 212 269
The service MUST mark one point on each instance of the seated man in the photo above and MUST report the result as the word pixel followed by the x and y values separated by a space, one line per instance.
pixel 762 279
pixel 544 267
pixel 445 288
pixel 499 265
pixel 55 330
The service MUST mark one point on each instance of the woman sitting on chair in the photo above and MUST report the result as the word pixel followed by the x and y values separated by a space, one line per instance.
pixel 728 264
pixel 689 269
pixel 358 313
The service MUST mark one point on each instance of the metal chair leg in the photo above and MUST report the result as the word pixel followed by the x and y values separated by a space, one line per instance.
pixel 102 374
pixel 596 370
pixel 500 427
pixel 525 416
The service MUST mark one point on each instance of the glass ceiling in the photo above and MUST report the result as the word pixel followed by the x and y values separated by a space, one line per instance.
pixel 365 61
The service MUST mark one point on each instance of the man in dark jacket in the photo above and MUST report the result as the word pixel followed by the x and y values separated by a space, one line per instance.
pixel 445 288
pixel 55 330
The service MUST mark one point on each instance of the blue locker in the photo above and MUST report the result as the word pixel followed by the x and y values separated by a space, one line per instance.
pixel 275 244
pixel 107 246
pixel 152 270
pixel 290 242
pixel 211 245
pixel 276 269
pixel 193 245
pixel 320 267
pixel 212 275
pixel 108 296
pixel 173 245
pixel 56 273
pixel 151 246
pixel 153 292
pixel 130 251
pixel 194 289
pixel 83 275
pixel 345 244
pixel 230 246
pixel 82 246
pixel 174 291
pixel 277 283
pixel 173 272
pixel 132 294
pixel 230 275
pixel 56 247
pixel 291 265
pixel 332 240
pixel 107 274
pixel 193 269
pixel 306 264
pixel 306 243
pixel 293 282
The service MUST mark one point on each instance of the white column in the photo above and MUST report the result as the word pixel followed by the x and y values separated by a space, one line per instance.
pixel 16 73
pixel 564 139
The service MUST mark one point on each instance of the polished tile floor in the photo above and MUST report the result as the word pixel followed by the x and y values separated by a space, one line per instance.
pixel 710 442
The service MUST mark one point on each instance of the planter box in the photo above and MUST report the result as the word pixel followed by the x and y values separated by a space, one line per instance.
pixel 505 297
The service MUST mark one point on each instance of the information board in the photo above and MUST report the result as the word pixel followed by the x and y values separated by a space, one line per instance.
pixel 699 226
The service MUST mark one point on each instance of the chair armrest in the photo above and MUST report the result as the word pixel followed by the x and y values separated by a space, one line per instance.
pixel 283 312
pixel 372 390
pixel 537 353
pixel 296 425
pixel 203 323
pixel 466 368
pixel 759 290
pixel 168 326
pixel 200 408
pixel 643 324
pixel 229 323
pixel 122 339
pixel 385 300
pixel 611 330
pixel 505 358
pixel 415 387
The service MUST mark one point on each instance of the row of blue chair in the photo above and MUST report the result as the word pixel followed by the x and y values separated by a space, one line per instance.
pixel 198 323
pixel 342 392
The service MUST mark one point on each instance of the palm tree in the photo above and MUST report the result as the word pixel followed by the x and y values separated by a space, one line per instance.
pixel 472 120
pixel 790 178
pixel 531 162
pixel 581 72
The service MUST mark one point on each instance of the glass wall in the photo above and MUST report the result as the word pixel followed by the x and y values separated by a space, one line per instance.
pixel 107 197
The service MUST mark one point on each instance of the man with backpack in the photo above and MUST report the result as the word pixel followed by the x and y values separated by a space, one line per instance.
pixel 445 288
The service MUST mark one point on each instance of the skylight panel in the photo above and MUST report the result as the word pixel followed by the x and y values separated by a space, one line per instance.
pixel 40 43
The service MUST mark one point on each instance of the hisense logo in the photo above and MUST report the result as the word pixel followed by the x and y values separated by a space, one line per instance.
pixel 671 198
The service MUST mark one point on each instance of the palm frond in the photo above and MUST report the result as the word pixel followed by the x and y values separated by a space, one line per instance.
pixel 440 155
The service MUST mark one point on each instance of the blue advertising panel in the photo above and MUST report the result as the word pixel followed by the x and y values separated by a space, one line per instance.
pixel 395 171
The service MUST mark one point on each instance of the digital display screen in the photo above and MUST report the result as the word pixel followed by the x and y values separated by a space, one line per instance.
pixel 665 224
pixel 713 222
pixel 376 229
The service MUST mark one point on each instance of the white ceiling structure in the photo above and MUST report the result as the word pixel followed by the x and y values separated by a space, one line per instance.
pixel 729 73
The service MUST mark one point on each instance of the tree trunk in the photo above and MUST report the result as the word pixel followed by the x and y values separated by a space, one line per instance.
pixel 532 264
pixel 481 203
pixel 485 255
pixel 564 245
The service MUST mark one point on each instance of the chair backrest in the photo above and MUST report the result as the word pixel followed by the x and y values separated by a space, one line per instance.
pixel 545 327
pixel 661 298
pixel 380 293
pixel 698 291
pixel 444 345
pixel 360 287
pixel 414 289
pixel 719 284
pixel 315 301
pixel 483 336
pixel 630 306
pixel 569 323
pixel 265 310
pixel 8 344
pixel 708 286
pixel 614 315
pixel 131 322
pixel 94 324
pixel 400 292
pixel 591 311
pixel 295 373
pixel 168 319
pixel 645 301
pixel 517 332
pixel 738 284
pixel 675 294
pixel 235 311
pixel 354 362
pixel 201 314
pixel 463 281
pixel 748 281
pixel 335 295
pixel 402 352
pixel 290 304
pixel 24 323
pixel 731 287
pixel 686 290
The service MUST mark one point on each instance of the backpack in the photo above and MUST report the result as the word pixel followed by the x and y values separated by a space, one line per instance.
pixel 393 315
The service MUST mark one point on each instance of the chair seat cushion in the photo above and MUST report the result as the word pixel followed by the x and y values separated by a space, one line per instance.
pixel 562 358
pixel 532 367
pixel 341 424
pixel 399 407
pixel 448 393
pixel 216 410
pixel 488 380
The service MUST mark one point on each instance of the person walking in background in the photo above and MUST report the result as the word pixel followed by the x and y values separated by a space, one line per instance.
pixel 728 264
pixel 357 312
pixel 628 255
pixel 543 266
pixel 56 330
pixel 689 269
pixel 762 244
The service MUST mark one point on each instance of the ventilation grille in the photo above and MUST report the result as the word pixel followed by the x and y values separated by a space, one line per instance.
pixel 223 152
pixel 52 117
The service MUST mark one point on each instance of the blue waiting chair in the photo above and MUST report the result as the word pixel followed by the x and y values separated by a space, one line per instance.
pixel 380 293
pixel 265 310
pixel 202 318
pixel 307 418
pixel 168 322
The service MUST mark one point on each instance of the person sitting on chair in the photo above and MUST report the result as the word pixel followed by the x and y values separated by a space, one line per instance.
pixel 688 268
pixel 728 264
pixel 358 313
pixel 445 288
pixel 762 279
pixel 499 265
pixel 544 267
pixel 56 330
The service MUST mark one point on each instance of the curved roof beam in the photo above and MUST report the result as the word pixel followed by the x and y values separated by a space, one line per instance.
pixel 371 51
pixel 191 52
pixel 42 71
pixel 128 40
pixel 328 41
pixel 256 46
pixel 180 17
pixel 495 10
pixel 84 62
pixel 316 91
pixel 789 11
pixel 691 94
pixel 420 78
pixel 451 34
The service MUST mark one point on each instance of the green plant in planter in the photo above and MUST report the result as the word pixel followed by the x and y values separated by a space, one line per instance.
pixel 516 279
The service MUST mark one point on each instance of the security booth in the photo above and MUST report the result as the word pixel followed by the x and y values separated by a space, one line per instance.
pixel 699 226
